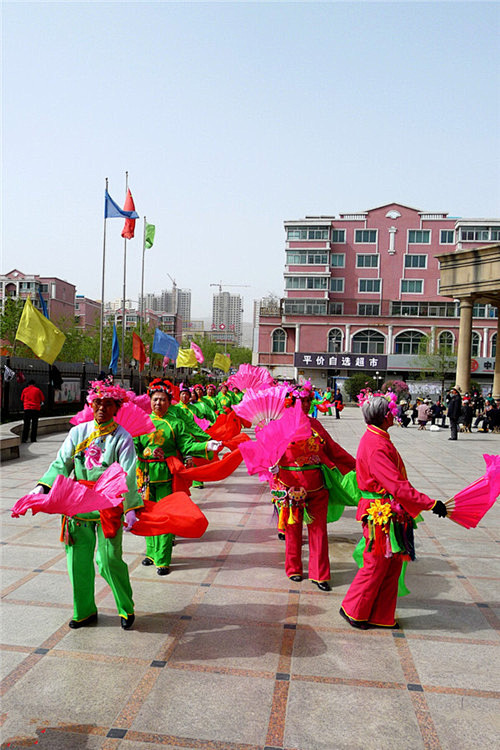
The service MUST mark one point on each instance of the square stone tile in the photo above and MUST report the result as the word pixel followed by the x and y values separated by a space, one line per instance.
pixel 441 618
pixel 78 691
pixel 156 595
pixel 261 606
pixel 9 661
pixel 489 590
pixel 479 566
pixel 208 706
pixel 464 722
pixel 22 625
pixel 327 717
pixel 230 646
pixel 350 656
pixel 27 558
pixel 438 587
pixel 45 587
pixel 458 665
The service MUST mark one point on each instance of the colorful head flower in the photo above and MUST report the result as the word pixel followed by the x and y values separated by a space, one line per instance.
pixel 106 389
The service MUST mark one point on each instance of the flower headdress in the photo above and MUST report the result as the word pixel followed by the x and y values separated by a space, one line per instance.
pixel 367 395
pixel 160 385
pixel 106 389
pixel 299 391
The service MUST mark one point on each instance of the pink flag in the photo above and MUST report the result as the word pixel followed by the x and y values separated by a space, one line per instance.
pixel 197 352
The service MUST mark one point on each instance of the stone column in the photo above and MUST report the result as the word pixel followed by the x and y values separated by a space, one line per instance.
pixel 496 376
pixel 347 339
pixel 464 344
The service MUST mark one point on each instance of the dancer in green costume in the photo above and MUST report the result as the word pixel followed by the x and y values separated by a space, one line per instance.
pixel 88 450
pixel 154 478
pixel 186 411
pixel 224 399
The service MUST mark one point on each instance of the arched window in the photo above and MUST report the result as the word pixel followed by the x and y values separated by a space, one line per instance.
pixel 494 345
pixel 279 341
pixel 475 344
pixel 368 342
pixel 446 341
pixel 334 341
pixel 408 342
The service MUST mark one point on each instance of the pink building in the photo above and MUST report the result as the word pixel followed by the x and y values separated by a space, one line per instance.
pixel 59 295
pixel 361 291
pixel 87 312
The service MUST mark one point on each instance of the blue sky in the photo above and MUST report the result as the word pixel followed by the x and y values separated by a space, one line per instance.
pixel 231 118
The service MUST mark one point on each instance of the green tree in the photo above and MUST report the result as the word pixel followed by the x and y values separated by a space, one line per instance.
pixel 439 364
pixel 357 382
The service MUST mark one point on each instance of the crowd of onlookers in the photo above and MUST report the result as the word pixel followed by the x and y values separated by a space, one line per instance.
pixel 472 410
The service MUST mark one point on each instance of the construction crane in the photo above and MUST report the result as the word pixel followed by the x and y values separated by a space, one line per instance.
pixel 220 285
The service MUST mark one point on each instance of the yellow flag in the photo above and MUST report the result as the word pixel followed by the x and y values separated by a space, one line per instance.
pixel 39 333
pixel 222 361
pixel 186 358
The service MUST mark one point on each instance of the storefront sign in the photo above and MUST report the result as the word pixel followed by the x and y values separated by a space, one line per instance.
pixel 341 361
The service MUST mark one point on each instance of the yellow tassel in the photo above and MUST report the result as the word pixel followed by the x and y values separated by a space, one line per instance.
pixel 291 519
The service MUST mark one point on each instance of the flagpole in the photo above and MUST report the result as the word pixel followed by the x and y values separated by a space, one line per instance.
pixel 124 316
pixel 101 321
pixel 142 278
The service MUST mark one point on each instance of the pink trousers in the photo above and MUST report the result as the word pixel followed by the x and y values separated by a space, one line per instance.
pixel 319 561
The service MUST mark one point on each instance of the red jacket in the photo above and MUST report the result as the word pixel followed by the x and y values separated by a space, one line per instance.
pixel 32 397
pixel 316 450
pixel 380 468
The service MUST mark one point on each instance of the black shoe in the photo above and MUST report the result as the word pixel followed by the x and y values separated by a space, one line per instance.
pixel 163 571
pixel 452 438
pixel 361 625
pixel 75 624
pixel 127 622
pixel 281 536
pixel 385 627
pixel 323 585
pixel 147 561
pixel 295 578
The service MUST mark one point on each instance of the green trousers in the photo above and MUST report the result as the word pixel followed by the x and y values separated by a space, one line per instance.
pixel 159 548
pixel 81 569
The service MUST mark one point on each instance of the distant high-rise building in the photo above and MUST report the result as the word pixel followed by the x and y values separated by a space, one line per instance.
pixel 227 317
pixel 174 302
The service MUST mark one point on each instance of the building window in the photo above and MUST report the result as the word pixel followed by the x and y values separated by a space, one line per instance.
pixel 368 309
pixel 303 257
pixel 279 341
pixel 365 236
pixel 447 237
pixel 446 341
pixel 336 308
pixel 492 311
pixel 337 260
pixel 367 261
pixel 412 286
pixel 334 341
pixel 306 282
pixel 425 309
pixel 482 234
pixel 307 233
pixel 305 307
pixel 415 261
pixel 338 235
pixel 369 285
pixel 475 344
pixel 408 342
pixel 336 285
pixel 494 345
pixel 419 236
pixel 368 342
pixel 479 311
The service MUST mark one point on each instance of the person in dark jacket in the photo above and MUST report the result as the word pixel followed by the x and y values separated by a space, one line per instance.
pixel 454 412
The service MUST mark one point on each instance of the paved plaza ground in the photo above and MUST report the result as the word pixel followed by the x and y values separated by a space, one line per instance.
pixel 227 654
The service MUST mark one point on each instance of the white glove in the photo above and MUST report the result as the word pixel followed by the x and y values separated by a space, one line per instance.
pixel 214 445
pixel 130 519
pixel 274 469
pixel 38 490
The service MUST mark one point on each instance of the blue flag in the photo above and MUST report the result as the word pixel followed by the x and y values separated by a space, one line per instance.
pixel 43 305
pixel 115 353
pixel 113 211
pixel 165 344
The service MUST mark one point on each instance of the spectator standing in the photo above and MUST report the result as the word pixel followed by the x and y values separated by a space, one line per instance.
pixel 454 412
pixel 32 398
pixel 424 414
pixel 339 403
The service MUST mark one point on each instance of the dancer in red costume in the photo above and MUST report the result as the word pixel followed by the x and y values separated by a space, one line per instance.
pixel 387 508
pixel 298 473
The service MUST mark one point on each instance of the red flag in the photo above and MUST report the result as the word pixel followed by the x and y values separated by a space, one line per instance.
pixel 138 350
pixel 129 226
